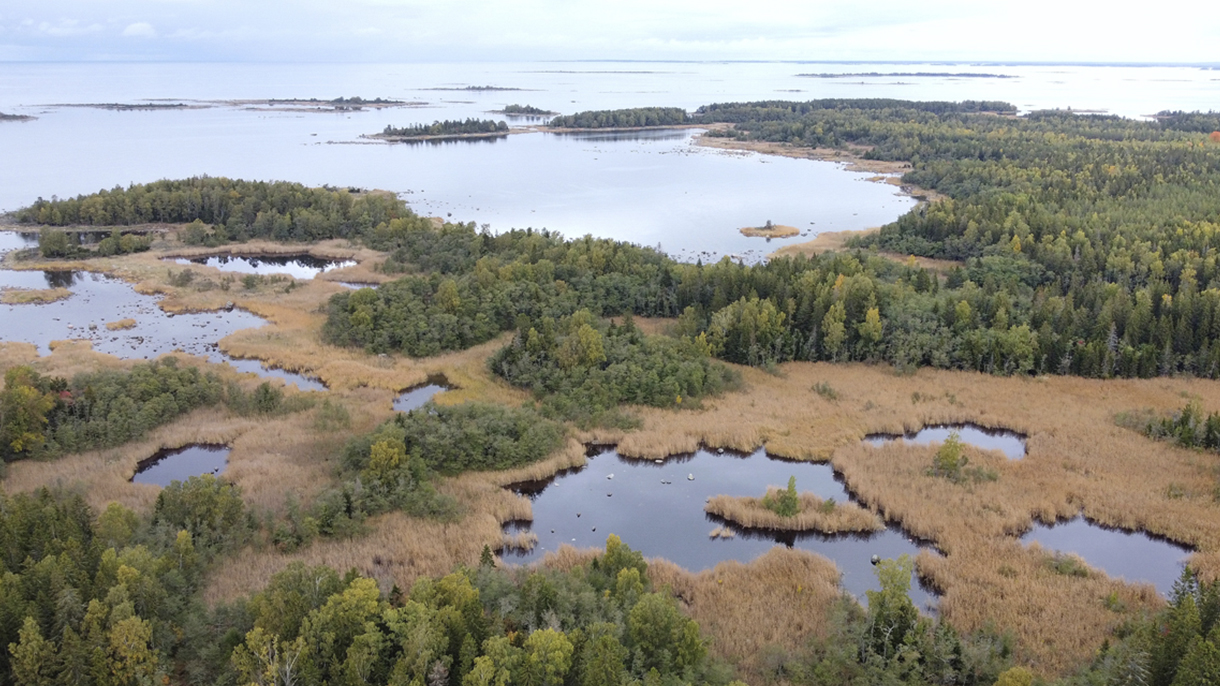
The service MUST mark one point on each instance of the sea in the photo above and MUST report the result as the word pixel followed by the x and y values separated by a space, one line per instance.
pixel 655 188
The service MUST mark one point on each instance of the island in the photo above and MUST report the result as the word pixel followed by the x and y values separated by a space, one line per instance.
pixel 524 111
pixel 444 130
pixel 786 510
pixel 770 231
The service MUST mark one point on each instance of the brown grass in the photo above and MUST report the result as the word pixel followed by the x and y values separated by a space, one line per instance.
pixel 776 231
pixel 121 324
pixel 751 513
pixel 836 241
pixel 411 547
pixel 1078 461
pixel 776 602
pixel 24 296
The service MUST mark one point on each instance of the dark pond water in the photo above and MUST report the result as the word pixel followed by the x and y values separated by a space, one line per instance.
pixel 180 464
pixel 1011 443
pixel 1130 555
pixel 658 509
pixel 416 396
pixel 296 266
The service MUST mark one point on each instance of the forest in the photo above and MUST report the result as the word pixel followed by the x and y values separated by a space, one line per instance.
pixel 44 416
pixel 446 128
pixel 634 117
pixel 525 110
pixel 582 369
pixel 229 210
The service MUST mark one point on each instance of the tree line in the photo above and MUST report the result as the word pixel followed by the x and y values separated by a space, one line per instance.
pixel 446 128
pixel 582 369
pixel 228 209
pixel 626 118
pixel 112 599
pixel 42 416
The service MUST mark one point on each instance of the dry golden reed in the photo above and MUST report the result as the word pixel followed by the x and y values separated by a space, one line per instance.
pixel 778 601
pixel 813 514
pixel 1079 462
pixel 25 296
pixel 121 324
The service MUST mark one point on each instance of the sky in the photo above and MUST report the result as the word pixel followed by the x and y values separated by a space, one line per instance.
pixel 456 30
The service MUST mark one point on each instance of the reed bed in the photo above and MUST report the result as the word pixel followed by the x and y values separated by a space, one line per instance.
pixel 522 540
pixel 753 611
pixel 401 549
pixel 1078 462
pixel 121 324
pixel 813 514
pixel 24 296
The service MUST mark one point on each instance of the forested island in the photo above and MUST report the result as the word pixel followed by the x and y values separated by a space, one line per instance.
pixel 628 118
pixel 15 117
pixel 440 130
pixel 1081 249
pixel 524 110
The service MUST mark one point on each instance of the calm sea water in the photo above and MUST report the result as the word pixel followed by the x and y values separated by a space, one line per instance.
pixel 647 189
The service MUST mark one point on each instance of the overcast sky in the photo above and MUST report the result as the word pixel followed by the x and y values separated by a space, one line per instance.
pixel 445 30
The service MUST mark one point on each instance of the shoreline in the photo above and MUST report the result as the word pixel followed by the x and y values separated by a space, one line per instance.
pixel 850 157
pixel 884 172
pixel 625 129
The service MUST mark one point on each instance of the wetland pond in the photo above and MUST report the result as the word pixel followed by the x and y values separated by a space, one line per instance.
pixel 98 299
pixel 415 396
pixel 656 509
pixel 296 266
pixel 1011 443
pixel 180 464
pixel 1130 555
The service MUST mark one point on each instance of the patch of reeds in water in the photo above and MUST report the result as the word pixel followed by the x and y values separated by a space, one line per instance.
pixel 39 296
pixel 814 514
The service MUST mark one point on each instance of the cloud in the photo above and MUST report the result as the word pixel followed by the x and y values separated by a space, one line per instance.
pixel 66 28
pixel 140 29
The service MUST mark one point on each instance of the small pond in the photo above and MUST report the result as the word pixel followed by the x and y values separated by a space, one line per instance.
pixel 296 266
pixel 416 396
pixel 180 464
pixel 1011 443
pixel 658 509
pixel 1131 555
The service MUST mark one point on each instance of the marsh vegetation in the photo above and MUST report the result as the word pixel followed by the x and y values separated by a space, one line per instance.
pixel 1071 267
